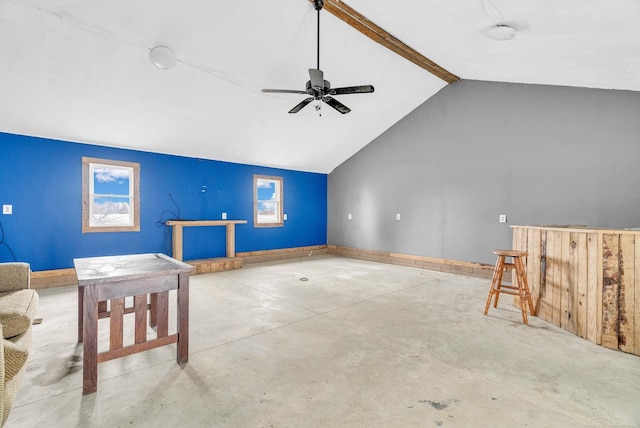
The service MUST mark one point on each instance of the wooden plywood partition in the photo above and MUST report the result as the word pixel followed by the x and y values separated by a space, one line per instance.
pixel 586 281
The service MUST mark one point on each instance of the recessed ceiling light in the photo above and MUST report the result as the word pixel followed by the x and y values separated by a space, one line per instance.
pixel 163 57
pixel 501 32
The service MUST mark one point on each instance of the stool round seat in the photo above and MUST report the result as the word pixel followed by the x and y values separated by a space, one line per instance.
pixel 520 287
pixel 510 253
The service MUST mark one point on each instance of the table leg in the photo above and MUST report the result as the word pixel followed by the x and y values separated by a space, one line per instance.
pixel 80 309
pixel 90 339
pixel 183 318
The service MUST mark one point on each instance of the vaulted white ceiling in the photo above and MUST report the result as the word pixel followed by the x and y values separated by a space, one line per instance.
pixel 79 70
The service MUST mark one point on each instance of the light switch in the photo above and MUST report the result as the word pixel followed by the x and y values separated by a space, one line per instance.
pixel 224 216
pixel 284 216
pixel 7 209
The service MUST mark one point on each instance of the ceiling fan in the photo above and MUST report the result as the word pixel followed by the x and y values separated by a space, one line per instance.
pixel 319 89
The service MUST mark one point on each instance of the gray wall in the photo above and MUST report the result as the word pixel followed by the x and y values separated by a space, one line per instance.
pixel 540 154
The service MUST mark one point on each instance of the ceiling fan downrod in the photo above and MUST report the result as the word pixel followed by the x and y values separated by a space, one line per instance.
pixel 318 4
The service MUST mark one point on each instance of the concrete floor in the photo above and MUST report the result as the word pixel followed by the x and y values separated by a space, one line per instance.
pixel 358 344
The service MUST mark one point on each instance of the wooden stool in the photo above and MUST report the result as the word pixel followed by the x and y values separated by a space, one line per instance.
pixel 521 282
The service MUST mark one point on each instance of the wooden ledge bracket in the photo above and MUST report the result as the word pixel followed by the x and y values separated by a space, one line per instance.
pixel 176 235
pixel 355 19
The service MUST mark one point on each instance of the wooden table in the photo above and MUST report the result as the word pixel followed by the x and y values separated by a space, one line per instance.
pixel 176 237
pixel 116 277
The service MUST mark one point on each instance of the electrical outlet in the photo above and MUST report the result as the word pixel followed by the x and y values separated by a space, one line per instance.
pixel 397 216
pixel 224 216
pixel 7 209
pixel 349 216
pixel 503 218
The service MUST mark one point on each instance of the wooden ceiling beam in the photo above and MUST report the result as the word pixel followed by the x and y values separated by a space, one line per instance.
pixel 355 19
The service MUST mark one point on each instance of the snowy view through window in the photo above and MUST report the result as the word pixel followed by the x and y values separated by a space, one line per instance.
pixel 111 196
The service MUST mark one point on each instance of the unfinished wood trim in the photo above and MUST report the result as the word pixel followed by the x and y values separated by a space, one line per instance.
pixel 281 254
pixel 53 278
pixel 439 261
pixel 582 283
pixel 610 278
pixel 376 33
pixel 281 251
pixel 280 200
pixel 457 267
pixel 594 281
pixel 582 229
pixel 626 295
pixel 636 304
pixel 196 223
pixel 589 283
pixel 600 290
pixel 178 242
pixel 215 264
pixel 86 197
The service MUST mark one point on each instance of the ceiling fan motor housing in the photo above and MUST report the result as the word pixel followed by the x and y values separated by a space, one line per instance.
pixel 318 92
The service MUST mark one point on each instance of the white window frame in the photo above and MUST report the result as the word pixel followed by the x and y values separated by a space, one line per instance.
pixel 130 223
pixel 276 219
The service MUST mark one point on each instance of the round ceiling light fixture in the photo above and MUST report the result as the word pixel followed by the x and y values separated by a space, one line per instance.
pixel 502 32
pixel 163 57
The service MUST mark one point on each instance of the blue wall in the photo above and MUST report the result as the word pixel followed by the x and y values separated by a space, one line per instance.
pixel 42 179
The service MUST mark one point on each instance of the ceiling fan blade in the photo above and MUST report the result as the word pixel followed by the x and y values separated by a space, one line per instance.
pixel 336 104
pixel 317 79
pixel 301 105
pixel 284 91
pixel 362 89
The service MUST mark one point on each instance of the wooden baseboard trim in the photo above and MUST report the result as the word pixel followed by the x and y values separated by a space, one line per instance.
pixel 53 278
pixel 421 262
pixel 215 265
pixel 281 254
pixel 61 277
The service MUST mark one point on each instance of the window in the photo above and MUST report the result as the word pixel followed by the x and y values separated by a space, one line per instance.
pixel 267 201
pixel 110 196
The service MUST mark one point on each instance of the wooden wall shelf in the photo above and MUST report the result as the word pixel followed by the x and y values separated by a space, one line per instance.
pixel 177 226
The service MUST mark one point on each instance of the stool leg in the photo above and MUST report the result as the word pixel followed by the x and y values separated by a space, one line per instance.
pixel 500 269
pixel 521 279
pixel 527 292
pixel 496 282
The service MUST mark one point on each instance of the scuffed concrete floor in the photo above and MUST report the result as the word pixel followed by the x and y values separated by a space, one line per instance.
pixel 358 344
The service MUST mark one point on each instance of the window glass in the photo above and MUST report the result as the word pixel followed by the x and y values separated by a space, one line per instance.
pixel 268 197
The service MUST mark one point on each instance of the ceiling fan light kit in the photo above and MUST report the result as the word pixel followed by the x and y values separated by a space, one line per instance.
pixel 319 89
